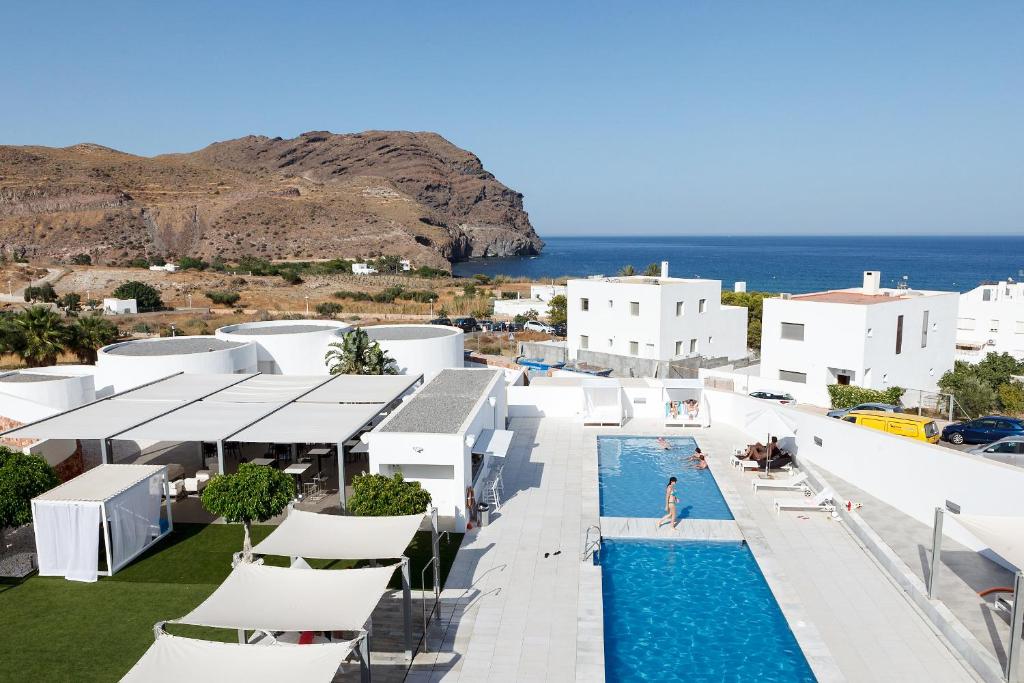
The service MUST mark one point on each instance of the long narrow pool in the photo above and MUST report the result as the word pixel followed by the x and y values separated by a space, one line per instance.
pixel 678 610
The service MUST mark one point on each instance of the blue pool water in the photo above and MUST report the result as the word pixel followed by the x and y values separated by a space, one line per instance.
pixel 633 472
pixel 693 611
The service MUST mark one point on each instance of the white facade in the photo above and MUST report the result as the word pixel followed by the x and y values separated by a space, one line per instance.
pixel 120 306
pixel 510 308
pixel 547 292
pixel 124 365
pixel 288 347
pixel 654 317
pixel 991 319
pixel 421 349
pixel 167 267
pixel 865 336
pixel 363 269
pixel 28 395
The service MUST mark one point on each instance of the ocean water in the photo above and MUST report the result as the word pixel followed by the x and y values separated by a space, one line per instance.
pixel 693 611
pixel 778 264
pixel 633 472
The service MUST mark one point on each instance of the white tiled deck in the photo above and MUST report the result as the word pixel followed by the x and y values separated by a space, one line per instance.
pixel 512 614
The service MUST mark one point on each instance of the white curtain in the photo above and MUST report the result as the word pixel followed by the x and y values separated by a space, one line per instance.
pixel 67 538
pixel 134 517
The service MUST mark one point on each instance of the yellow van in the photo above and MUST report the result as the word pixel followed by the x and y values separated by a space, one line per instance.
pixel 913 426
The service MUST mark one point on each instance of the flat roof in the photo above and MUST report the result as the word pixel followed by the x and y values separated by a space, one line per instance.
pixel 250 330
pixel 28 377
pixel 171 346
pixel 101 483
pixel 443 404
pixel 402 332
pixel 646 280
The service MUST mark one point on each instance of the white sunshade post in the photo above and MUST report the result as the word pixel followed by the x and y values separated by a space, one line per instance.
pixel 220 456
pixel 936 562
pixel 407 607
pixel 435 547
pixel 342 497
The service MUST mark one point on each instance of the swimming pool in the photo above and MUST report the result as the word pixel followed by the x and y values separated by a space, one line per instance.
pixel 693 611
pixel 633 471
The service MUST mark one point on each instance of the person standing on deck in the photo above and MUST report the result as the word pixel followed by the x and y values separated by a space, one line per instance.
pixel 670 505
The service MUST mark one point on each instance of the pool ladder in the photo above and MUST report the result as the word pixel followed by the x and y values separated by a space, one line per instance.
pixel 591 546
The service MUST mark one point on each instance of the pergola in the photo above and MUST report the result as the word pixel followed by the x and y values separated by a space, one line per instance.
pixel 252 408
pixel 311 535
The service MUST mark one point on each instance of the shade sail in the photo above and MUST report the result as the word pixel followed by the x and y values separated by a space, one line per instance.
pixel 201 421
pixel 268 389
pixel 94 421
pixel 184 387
pixel 336 537
pixel 1004 535
pixel 768 421
pixel 171 658
pixel 101 483
pixel 494 442
pixel 309 423
pixel 287 599
pixel 362 389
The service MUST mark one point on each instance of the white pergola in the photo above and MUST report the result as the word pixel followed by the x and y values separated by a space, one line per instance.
pixel 251 408
pixel 121 500
pixel 170 658
pixel 311 535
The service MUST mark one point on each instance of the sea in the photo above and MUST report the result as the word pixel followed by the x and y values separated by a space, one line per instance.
pixel 794 264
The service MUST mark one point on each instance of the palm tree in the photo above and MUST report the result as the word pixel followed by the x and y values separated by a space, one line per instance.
pixel 356 354
pixel 627 270
pixel 88 334
pixel 11 337
pixel 44 336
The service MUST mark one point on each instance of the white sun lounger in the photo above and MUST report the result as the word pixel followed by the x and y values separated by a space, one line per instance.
pixel 822 501
pixel 792 483
pixel 740 463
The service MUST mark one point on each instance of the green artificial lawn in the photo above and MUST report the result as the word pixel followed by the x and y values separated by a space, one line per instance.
pixel 57 630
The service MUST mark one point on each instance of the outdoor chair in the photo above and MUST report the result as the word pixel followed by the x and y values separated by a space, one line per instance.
pixel 175 488
pixel 821 502
pixel 197 483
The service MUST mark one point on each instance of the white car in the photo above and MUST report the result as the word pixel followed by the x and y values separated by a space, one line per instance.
pixel 537 326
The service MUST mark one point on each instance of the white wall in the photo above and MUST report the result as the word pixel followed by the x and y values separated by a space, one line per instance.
pixel 510 308
pixel 427 356
pixel 911 476
pixel 812 394
pixel 72 386
pixel 116 372
pixel 546 292
pixel 300 353
pixel 999 320
pixel 120 306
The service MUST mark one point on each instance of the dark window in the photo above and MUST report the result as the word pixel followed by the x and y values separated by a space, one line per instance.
pixel 899 335
pixel 794 331
pixel 924 331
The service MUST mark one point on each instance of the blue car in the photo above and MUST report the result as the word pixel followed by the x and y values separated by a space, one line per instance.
pixel 983 430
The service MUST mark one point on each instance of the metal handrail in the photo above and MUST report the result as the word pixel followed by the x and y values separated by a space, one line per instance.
pixel 591 547
pixel 437 590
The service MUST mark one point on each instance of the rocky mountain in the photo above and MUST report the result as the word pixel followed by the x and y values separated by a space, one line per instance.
pixel 320 195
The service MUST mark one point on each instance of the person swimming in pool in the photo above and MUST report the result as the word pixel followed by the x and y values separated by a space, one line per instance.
pixel 670 505
pixel 698 454
pixel 699 463
pixel 663 443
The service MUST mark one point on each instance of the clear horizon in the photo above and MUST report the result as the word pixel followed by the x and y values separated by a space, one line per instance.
pixel 702 119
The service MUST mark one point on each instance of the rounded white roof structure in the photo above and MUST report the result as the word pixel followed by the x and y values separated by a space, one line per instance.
pixel 123 365
pixel 421 349
pixel 288 347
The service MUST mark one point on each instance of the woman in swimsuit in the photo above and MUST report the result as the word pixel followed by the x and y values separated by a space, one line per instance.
pixel 670 505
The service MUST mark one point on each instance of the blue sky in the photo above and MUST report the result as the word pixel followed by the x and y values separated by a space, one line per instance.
pixel 812 117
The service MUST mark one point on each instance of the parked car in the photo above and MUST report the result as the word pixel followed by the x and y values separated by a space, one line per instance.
pixel 561 330
pixel 1009 450
pixel 784 399
pixel 884 407
pixel 465 324
pixel 538 326
pixel 486 325
pixel 514 327
pixel 983 430
pixel 912 426
pixel 441 321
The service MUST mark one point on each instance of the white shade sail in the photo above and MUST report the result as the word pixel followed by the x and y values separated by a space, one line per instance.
pixel 362 389
pixel 170 659
pixel 95 420
pixel 768 421
pixel 269 389
pixel 1004 535
pixel 494 442
pixel 337 537
pixel 310 423
pixel 183 387
pixel 201 421
pixel 288 599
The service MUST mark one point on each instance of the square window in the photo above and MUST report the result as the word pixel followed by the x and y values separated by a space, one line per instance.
pixel 634 308
pixel 634 348
pixel 680 308
pixel 584 304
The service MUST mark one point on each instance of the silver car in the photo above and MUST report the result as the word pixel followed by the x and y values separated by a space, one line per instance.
pixel 887 407
pixel 1009 450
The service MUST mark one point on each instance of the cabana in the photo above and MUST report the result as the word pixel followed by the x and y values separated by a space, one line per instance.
pixel 334 537
pixel 172 657
pixel 602 401
pixel 684 403
pixel 275 599
pixel 121 501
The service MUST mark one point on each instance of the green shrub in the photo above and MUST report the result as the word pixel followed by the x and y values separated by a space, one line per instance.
pixel 377 495
pixel 138 263
pixel 44 292
pixel 328 309
pixel 976 397
pixel 510 295
pixel 22 478
pixel 191 263
pixel 142 328
pixel 81 260
pixel 146 298
pixel 291 276
pixel 847 395
pixel 428 272
pixel 353 296
pixel 1011 397
pixel 223 298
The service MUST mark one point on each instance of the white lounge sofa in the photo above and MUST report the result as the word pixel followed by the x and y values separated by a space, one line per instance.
pixel 822 502
pixel 796 482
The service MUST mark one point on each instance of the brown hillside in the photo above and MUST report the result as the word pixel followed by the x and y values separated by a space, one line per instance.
pixel 317 196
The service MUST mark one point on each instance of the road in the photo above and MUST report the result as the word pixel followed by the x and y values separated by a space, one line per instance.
pixel 18 295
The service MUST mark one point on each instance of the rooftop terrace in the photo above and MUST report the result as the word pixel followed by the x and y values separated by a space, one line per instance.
pixel 259 330
pixel 443 404
pixel 859 298
pixel 171 346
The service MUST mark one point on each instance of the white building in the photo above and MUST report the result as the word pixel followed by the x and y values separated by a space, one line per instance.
pixel 120 306
pixel 363 269
pixel 288 347
pixel 991 319
pixel 447 436
pixel 660 318
pixel 540 296
pixel 421 349
pixel 865 336
pixel 167 268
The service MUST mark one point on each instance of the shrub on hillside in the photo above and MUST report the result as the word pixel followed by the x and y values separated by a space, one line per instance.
pixel 328 309
pixel 192 263
pixel 848 396
pixel 227 298
pixel 146 298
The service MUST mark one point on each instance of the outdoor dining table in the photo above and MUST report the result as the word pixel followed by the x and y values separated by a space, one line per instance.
pixel 262 461
pixel 318 453
pixel 298 469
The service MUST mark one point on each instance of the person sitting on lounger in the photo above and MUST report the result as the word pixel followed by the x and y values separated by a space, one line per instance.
pixel 755 451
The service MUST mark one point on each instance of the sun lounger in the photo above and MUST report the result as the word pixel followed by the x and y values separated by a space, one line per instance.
pixel 792 483
pixel 741 463
pixel 822 502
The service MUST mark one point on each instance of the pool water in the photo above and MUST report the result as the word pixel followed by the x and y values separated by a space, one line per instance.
pixel 693 611
pixel 633 472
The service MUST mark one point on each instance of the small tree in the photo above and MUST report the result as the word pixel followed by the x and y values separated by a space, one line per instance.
pixel 226 298
pixel 652 270
pixel 253 494
pixel 975 397
pixel 627 270
pixel 71 303
pixel 81 260
pixel 378 495
pixel 328 309
pixel 22 478
pixel 357 354
pixel 1011 397
pixel 44 292
pixel 147 298
pixel 558 310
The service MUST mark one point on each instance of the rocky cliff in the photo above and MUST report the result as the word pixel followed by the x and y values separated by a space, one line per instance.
pixel 319 195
